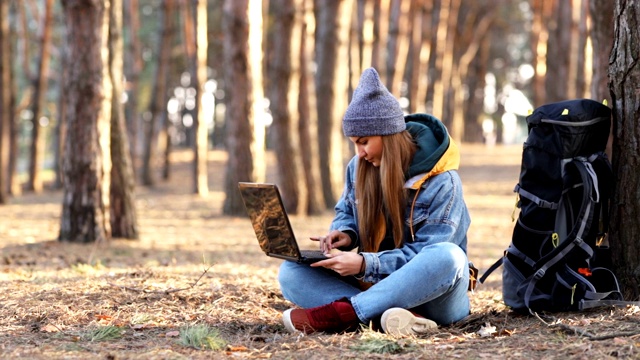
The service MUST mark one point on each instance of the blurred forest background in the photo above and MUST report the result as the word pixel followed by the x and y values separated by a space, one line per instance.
pixel 97 94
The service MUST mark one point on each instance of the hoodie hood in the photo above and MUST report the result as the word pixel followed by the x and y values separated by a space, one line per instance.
pixel 436 153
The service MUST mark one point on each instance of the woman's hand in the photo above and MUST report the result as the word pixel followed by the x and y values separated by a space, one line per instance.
pixel 334 239
pixel 344 263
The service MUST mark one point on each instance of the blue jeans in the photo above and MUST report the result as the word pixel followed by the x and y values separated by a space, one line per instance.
pixel 433 284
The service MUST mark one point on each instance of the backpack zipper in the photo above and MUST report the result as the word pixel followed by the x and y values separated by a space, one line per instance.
pixel 578 123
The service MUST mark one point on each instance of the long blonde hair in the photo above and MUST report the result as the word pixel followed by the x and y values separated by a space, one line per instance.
pixel 380 192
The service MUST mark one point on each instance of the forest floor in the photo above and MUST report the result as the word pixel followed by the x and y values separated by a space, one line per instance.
pixel 196 286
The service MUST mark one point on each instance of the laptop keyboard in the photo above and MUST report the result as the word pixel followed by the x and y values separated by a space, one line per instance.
pixel 313 254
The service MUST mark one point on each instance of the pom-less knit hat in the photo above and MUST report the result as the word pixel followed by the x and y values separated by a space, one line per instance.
pixel 373 110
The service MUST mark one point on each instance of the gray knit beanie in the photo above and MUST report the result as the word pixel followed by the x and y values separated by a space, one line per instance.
pixel 373 110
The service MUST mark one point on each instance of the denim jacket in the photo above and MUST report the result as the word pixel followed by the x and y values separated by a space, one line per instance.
pixel 435 212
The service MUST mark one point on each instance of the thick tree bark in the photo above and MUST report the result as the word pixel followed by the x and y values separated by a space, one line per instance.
pixel 624 75
pixel 87 165
pixel 124 223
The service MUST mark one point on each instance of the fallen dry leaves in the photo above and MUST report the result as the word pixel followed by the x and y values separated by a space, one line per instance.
pixel 193 266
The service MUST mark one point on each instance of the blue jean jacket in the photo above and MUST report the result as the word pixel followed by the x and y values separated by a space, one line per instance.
pixel 439 215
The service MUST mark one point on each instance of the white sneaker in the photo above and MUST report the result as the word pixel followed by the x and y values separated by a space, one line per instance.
pixel 402 322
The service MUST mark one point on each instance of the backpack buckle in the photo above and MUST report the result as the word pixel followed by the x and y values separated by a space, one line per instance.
pixel 539 274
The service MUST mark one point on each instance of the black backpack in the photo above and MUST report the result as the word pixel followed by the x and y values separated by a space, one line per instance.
pixel 559 259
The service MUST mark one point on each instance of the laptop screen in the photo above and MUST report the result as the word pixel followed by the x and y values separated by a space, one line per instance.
pixel 269 219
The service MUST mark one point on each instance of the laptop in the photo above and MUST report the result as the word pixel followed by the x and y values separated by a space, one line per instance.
pixel 271 223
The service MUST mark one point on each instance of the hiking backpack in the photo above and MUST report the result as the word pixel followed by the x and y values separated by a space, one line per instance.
pixel 559 259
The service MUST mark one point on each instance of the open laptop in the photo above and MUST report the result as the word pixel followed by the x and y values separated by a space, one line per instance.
pixel 271 223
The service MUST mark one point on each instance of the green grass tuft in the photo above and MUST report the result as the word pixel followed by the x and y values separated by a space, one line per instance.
pixel 201 337
pixel 373 342
pixel 103 333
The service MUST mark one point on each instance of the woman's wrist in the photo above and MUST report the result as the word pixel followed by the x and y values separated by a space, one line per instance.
pixel 363 267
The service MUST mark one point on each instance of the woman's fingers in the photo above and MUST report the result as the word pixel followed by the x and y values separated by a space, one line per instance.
pixel 334 239
pixel 343 263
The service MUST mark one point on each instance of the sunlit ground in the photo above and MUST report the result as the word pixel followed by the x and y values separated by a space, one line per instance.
pixel 194 266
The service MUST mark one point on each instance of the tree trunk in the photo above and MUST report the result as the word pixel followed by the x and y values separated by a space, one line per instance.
pixel 175 69
pixel 356 42
pixel 24 35
pixel 473 132
pixel 331 88
pixel 433 69
pixel 583 77
pixel 421 51
pixel 6 115
pixel 361 40
pixel 39 103
pixel 15 188
pixel 159 97
pixel 602 36
pixel 475 27
pixel 255 53
pixel 624 75
pixel 61 127
pixel 200 176
pixel 558 58
pixel 542 10
pixel 602 40
pixel 238 98
pixel 133 68
pixel 444 56
pixel 308 120
pixel 280 81
pixel 124 223
pixel 398 44
pixel 380 33
pixel 87 165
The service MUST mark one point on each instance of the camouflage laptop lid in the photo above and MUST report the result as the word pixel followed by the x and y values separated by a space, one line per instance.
pixel 270 221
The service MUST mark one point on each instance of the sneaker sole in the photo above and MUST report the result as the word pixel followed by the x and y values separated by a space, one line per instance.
pixel 401 322
pixel 286 319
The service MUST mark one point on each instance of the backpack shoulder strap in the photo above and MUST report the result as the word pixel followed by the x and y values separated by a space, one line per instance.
pixel 535 199
pixel 589 304
pixel 575 237
pixel 491 269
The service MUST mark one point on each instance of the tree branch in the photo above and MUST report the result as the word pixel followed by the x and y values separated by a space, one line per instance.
pixel 585 333
pixel 166 291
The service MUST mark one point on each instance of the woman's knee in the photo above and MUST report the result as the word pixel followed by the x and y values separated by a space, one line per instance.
pixel 288 274
pixel 448 255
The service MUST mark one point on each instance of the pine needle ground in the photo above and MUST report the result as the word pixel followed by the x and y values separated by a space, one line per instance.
pixel 194 267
